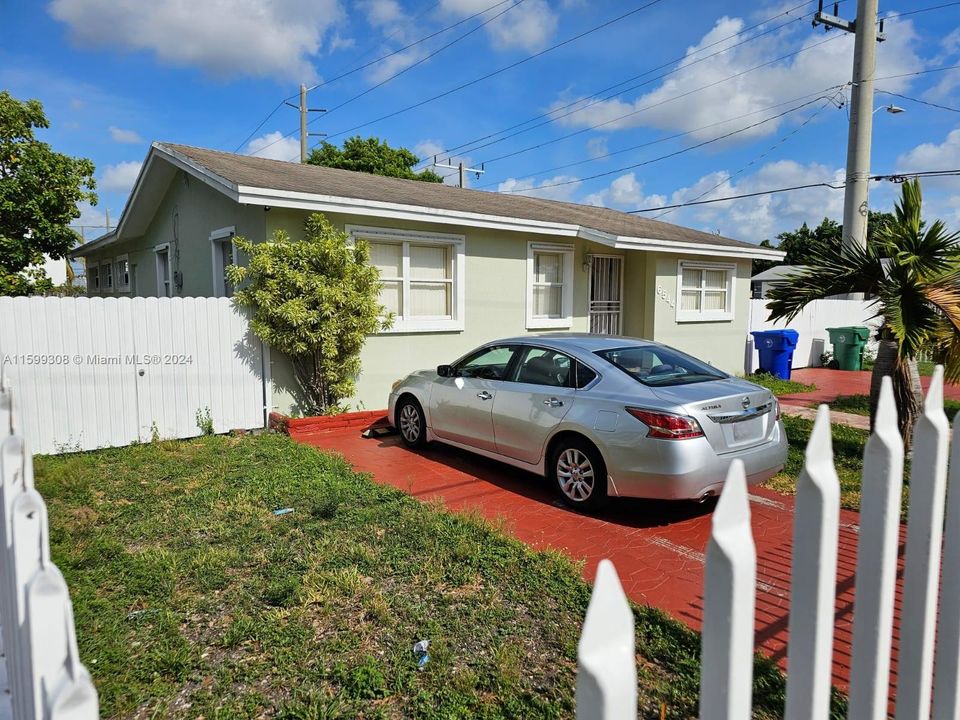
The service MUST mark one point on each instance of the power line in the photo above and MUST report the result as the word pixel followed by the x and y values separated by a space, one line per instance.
pixel 918 100
pixel 761 156
pixel 672 154
pixel 658 104
pixel 920 10
pixel 427 57
pixel 551 115
pixel 499 70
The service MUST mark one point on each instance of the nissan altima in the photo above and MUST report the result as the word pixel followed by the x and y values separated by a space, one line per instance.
pixel 601 416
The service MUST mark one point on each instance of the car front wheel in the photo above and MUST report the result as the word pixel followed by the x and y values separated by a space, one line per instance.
pixel 580 474
pixel 411 423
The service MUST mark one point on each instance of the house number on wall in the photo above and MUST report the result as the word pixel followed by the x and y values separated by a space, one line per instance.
pixel 665 296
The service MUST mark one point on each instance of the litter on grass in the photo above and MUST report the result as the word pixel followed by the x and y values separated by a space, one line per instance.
pixel 420 652
pixel 283 511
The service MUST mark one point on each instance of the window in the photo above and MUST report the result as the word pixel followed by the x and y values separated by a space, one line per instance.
pixel 224 255
pixel 93 278
pixel 659 366
pixel 163 270
pixel 540 366
pixel 585 376
pixel 121 271
pixel 421 275
pixel 706 291
pixel 106 276
pixel 549 285
pixel 492 363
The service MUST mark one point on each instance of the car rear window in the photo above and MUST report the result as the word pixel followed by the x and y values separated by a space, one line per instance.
pixel 657 366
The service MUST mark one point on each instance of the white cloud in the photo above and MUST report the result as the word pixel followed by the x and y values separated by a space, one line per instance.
pixel 388 17
pixel 225 38
pixel 130 137
pixel 625 192
pixel 672 105
pixel 597 147
pixel 525 27
pixel 275 147
pixel 941 194
pixel 566 185
pixel 337 42
pixel 120 177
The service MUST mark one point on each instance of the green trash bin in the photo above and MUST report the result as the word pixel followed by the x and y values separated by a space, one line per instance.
pixel 848 345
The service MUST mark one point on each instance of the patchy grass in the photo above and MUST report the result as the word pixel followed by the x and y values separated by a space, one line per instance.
pixel 848 444
pixel 923 367
pixel 860 405
pixel 779 387
pixel 192 599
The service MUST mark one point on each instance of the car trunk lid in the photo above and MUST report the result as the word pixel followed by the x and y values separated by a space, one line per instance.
pixel 734 414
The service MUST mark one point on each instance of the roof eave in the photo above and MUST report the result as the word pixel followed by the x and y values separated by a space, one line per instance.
pixel 682 247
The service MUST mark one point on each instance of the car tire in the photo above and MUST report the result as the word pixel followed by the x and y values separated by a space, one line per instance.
pixel 411 424
pixel 579 474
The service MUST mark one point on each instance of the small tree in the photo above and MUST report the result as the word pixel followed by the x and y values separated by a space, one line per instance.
pixel 315 300
pixel 372 156
pixel 39 192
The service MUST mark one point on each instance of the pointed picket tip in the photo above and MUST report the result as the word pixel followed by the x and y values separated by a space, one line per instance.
pixel 820 445
pixel 886 419
pixel 733 508
pixel 934 400
pixel 608 614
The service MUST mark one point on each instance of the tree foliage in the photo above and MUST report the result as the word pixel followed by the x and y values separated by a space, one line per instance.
pixel 39 193
pixel 315 300
pixel 371 156
pixel 803 245
pixel 911 272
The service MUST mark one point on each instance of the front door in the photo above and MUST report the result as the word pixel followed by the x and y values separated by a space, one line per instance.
pixel 606 294
pixel 461 407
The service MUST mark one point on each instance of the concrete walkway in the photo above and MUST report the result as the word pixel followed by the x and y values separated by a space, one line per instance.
pixel 861 422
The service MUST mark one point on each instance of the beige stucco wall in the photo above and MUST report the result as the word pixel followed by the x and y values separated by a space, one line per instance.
pixel 185 217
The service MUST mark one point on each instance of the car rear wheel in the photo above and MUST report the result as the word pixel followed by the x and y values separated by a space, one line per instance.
pixel 411 423
pixel 580 474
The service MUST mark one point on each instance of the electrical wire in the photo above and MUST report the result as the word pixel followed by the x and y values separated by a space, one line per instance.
pixel 675 153
pixel 918 100
pixel 498 71
pixel 830 101
pixel 551 114
pixel 257 128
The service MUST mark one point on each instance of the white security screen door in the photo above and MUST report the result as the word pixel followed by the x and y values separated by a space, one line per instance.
pixel 606 294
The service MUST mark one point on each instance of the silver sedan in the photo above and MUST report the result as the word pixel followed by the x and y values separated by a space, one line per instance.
pixel 601 416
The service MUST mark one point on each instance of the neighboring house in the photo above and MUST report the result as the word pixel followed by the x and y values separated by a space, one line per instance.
pixel 459 267
pixel 763 282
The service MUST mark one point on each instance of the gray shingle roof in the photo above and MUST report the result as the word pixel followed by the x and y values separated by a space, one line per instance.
pixel 279 175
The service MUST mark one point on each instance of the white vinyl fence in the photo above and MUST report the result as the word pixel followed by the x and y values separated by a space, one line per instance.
pixel 811 324
pixel 41 676
pixel 106 372
pixel 607 680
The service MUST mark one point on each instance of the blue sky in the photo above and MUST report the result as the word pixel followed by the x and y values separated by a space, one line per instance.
pixel 115 75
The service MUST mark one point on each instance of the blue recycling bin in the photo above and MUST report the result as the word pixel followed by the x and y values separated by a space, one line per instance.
pixel 776 350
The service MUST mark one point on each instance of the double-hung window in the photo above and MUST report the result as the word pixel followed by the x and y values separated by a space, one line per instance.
pixel 421 276
pixel 706 291
pixel 224 255
pixel 549 285
pixel 106 276
pixel 121 273
pixel 93 278
pixel 163 270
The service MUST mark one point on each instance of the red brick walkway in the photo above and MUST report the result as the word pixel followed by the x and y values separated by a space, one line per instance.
pixel 832 383
pixel 657 547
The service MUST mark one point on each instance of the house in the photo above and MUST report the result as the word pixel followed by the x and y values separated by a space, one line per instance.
pixel 459 267
pixel 763 282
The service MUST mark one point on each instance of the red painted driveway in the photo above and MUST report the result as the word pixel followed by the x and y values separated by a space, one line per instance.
pixel 658 547
pixel 833 383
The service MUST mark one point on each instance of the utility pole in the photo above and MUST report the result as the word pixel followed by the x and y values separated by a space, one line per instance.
pixel 459 166
pixel 860 133
pixel 304 110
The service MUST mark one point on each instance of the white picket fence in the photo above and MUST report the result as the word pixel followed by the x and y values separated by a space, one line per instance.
pixel 106 372
pixel 811 325
pixel 41 676
pixel 607 680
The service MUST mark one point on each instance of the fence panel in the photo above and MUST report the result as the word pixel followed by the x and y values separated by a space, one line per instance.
pixel 933 547
pixel 106 372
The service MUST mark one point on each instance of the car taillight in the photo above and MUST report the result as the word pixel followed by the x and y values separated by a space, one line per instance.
pixel 776 405
pixel 666 425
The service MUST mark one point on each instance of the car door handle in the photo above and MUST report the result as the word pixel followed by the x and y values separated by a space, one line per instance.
pixel 484 395
pixel 553 402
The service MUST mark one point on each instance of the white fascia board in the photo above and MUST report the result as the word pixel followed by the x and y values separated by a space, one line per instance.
pixel 397 211
pixel 688 248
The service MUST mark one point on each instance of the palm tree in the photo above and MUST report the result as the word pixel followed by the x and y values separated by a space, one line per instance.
pixel 912 275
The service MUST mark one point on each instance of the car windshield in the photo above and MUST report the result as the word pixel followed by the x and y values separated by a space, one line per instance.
pixel 658 366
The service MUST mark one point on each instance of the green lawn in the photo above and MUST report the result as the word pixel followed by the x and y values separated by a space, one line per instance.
pixel 848 444
pixel 924 368
pixel 860 405
pixel 780 387
pixel 192 599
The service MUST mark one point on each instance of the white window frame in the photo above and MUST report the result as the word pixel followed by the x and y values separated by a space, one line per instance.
pixel 95 268
pixel 104 286
pixel 118 283
pixel 725 315
pixel 566 297
pixel 457 247
pixel 157 249
pixel 218 237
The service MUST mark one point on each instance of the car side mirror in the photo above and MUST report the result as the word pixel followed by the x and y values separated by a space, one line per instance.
pixel 445 370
